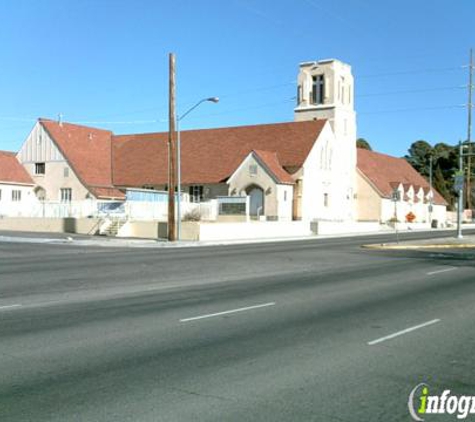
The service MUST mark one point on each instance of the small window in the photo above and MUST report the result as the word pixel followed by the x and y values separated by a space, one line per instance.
pixel 16 195
pixel 0 194
pixel 253 169
pixel 40 168
pixel 196 193
pixel 318 89
pixel 66 172
pixel 285 195
pixel 66 194
pixel 325 200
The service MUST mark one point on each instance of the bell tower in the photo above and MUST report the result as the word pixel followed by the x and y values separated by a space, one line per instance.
pixel 326 91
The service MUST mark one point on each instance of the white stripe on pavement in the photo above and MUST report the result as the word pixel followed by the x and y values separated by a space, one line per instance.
pixel 9 307
pixel 442 271
pixel 400 333
pixel 232 311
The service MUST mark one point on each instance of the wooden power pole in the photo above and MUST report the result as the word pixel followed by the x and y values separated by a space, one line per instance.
pixel 469 133
pixel 171 152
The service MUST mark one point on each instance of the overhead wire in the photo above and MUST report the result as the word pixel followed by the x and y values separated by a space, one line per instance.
pixel 268 88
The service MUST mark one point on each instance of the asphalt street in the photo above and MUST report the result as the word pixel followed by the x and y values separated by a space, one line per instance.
pixel 315 330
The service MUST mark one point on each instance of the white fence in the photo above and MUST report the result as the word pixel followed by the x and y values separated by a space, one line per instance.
pixel 132 210
pixel 207 211
pixel 77 209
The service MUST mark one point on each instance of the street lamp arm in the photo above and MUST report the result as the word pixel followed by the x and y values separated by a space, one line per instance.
pixel 211 99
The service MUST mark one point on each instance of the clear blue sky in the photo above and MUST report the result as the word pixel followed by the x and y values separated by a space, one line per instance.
pixel 107 61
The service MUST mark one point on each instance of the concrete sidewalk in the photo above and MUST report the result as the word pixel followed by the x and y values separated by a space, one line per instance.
pixel 467 242
pixel 114 242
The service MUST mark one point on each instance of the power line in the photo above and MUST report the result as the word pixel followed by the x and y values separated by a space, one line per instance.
pixel 410 72
pixel 261 89
pixel 17 119
pixel 243 109
pixel 400 110
pixel 410 91
pixel 115 122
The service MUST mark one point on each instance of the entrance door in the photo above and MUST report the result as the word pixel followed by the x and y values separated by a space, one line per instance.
pixel 256 197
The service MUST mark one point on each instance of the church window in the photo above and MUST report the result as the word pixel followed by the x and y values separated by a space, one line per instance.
pixel 196 193
pixel 299 94
pixel 16 195
pixel 325 200
pixel 66 194
pixel 40 168
pixel 318 89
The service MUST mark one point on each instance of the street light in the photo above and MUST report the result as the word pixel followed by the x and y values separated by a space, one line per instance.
pixel 178 144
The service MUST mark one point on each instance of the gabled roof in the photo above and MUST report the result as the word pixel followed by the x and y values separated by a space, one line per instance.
pixel 271 163
pixel 383 171
pixel 210 155
pixel 88 151
pixel 11 170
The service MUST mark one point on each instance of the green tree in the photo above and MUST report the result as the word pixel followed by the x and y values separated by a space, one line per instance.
pixel 363 144
pixel 444 165
pixel 419 156
pixel 443 186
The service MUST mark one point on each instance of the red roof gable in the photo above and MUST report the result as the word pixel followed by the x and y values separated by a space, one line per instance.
pixel 210 155
pixel 271 163
pixel 88 151
pixel 383 170
pixel 11 170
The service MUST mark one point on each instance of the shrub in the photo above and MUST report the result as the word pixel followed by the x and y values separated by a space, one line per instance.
pixel 193 215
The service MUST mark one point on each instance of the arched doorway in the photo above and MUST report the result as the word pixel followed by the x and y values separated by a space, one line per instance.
pixel 256 199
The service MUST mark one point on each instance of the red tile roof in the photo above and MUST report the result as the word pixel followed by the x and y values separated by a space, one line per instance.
pixel 383 170
pixel 271 162
pixel 11 171
pixel 88 151
pixel 210 155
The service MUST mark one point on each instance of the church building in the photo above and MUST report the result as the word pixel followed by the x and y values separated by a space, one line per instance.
pixel 308 169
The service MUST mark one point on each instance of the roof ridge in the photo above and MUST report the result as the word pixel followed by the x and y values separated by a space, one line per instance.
pixel 380 153
pixel 43 120
pixel 257 125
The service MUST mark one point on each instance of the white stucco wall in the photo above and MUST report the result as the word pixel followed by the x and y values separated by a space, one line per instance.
pixel 277 197
pixel 420 210
pixel 323 173
pixel 11 208
pixel 284 202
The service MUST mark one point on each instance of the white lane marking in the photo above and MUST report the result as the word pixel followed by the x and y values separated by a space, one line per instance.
pixel 232 311
pixel 442 271
pixel 400 333
pixel 9 307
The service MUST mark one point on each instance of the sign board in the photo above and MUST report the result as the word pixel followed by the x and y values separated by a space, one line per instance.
pixel 458 182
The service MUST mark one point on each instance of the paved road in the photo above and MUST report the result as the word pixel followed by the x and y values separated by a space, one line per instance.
pixel 263 332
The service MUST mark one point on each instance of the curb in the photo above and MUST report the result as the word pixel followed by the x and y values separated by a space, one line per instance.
pixel 415 247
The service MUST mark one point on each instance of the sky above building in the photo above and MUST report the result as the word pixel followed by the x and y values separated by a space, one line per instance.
pixel 105 63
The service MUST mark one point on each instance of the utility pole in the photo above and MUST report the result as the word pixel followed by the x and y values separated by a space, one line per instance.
pixel 430 191
pixel 459 187
pixel 171 151
pixel 469 132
